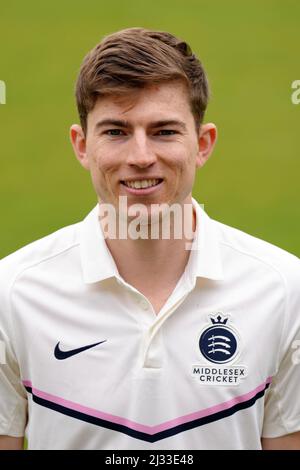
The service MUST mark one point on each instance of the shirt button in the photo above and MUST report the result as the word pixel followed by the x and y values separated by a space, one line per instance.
pixel 144 304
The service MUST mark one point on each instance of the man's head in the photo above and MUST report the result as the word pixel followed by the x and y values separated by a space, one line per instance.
pixel 140 94
pixel 135 58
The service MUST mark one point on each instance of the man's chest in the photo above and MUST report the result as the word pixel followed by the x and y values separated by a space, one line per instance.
pixel 109 361
pixel 218 344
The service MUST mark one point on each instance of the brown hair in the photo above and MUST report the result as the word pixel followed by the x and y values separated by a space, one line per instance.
pixel 134 58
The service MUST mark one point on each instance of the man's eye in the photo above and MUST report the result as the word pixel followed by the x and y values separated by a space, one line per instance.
pixel 166 132
pixel 114 132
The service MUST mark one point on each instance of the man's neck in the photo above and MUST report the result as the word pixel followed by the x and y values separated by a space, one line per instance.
pixel 152 265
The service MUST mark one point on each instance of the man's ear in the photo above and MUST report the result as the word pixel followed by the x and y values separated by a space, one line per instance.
pixel 78 141
pixel 207 140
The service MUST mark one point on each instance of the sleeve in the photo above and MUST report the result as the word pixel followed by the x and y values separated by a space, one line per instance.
pixel 13 402
pixel 282 405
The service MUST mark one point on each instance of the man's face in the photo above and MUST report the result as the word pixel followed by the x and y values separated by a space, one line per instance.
pixel 144 146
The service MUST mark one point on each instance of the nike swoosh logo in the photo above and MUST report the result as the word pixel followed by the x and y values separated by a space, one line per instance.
pixel 59 354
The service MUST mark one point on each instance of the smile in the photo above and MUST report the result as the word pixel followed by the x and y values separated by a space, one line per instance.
pixel 142 187
pixel 142 184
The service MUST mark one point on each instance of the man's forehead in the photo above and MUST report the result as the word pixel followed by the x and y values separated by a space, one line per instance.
pixel 155 102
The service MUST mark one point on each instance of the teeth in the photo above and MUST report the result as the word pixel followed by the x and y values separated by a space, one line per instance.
pixel 141 183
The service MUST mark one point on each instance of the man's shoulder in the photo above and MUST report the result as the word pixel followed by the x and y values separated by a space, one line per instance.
pixel 38 251
pixel 245 246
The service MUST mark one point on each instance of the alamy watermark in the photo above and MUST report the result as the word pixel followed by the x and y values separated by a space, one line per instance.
pixel 2 92
pixel 296 353
pixel 295 97
pixel 2 353
pixel 154 221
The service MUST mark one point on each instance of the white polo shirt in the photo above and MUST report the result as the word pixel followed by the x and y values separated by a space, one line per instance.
pixel 89 365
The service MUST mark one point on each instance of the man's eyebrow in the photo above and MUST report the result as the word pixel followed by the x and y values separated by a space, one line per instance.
pixel 169 122
pixel 154 124
pixel 111 122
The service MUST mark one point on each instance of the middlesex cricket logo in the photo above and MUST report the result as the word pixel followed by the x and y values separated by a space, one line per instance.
pixel 219 344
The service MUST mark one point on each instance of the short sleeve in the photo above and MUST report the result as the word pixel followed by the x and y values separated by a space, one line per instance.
pixel 282 405
pixel 13 401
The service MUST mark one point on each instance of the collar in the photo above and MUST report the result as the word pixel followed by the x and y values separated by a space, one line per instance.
pixel 98 263
pixel 205 258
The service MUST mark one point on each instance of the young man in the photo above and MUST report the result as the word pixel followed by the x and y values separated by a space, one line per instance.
pixel 117 341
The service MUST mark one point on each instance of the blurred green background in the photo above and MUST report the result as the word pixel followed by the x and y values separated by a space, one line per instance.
pixel 250 50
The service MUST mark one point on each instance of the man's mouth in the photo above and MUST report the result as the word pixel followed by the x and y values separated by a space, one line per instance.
pixel 142 184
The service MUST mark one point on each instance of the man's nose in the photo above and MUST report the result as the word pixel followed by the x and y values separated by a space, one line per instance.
pixel 140 151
